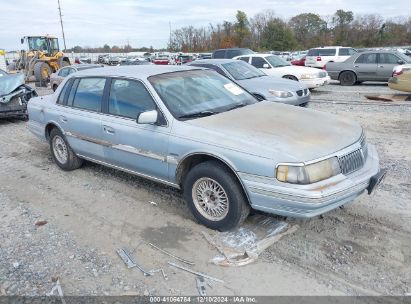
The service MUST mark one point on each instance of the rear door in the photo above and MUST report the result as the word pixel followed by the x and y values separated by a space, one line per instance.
pixel 365 67
pixel 386 64
pixel 81 117
pixel 141 148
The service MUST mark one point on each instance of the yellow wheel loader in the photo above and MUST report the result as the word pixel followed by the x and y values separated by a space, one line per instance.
pixel 41 57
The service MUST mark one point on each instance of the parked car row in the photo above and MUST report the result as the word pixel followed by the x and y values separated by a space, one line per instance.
pixel 211 136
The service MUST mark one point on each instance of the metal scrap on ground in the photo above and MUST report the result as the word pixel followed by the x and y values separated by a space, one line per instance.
pixel 195 272
pixel 171 255
pixel 243 245
pixel 128 260
pixel 59 291
pixel 201 286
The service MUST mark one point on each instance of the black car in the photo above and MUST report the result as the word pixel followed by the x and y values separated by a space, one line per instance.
pixel 230 53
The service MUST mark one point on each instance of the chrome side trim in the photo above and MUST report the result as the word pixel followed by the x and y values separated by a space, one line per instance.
pixel 155 179
pixel 120 147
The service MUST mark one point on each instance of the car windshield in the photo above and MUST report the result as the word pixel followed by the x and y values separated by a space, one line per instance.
pixel 38 43
pixel 276 61
pixel 241 70
pixel 196 93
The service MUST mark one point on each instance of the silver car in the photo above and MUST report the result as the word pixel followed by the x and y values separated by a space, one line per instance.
pixel 258 83
pixel 196 130
pixel 366 66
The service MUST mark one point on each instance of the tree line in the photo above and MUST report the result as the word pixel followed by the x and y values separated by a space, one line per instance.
pixel 266 31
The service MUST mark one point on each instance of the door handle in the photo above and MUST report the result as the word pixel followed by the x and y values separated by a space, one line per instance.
pixel 356 66
pixel 63 118
pixel 108 129
pixel 380 66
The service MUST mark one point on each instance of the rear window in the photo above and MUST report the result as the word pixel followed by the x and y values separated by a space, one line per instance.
pixel 322 52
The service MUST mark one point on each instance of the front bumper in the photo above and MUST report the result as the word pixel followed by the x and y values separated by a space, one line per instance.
pixel 295 100
pixel 271 196
pixel 316 82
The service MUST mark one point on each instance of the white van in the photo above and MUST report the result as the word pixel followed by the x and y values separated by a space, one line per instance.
pixel 319 57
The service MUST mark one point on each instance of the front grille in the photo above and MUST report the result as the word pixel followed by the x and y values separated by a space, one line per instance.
pixel 300 92
pixel 364 147
pixel 351 162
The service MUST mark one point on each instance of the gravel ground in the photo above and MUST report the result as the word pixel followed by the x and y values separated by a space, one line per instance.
pixel 363 249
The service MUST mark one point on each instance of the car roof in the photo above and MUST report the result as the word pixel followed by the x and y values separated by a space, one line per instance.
pixel 134 71
pixel 213 61
pixel 255 55
pixel 231 49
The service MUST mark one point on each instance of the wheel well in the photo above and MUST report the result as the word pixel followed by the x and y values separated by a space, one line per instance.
pixel 189 162
pixel 347 71
pixel 66 59
pixel 49 127
pixel 290 76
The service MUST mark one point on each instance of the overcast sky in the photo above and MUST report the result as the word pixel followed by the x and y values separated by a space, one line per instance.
pixel 146 22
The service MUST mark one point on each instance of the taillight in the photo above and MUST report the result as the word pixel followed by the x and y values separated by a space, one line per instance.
pixel 325 67
pixel 397 73
pixel 318 58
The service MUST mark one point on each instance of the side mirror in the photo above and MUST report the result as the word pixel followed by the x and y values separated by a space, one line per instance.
pixel 148 117
pixel 400 61
pixel 22 40
pixel 266 66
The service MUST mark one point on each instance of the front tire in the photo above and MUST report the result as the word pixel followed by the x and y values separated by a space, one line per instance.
pixel 42 72
pixel 347 78
pixel 215 197
pixel 62 154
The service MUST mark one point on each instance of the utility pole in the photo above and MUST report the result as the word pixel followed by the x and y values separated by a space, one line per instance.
pixel 62 28
pixel 169 42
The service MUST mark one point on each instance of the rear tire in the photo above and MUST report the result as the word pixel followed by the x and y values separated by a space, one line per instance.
pixel 215 196
pixel 62 154
pixel 347 78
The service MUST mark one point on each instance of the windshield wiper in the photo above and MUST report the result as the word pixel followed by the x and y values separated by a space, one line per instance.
pixel 236 107
pixel 198 114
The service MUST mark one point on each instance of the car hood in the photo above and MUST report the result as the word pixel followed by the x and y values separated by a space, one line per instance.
pixel 274 130
pixel 298 70
pixel 266 83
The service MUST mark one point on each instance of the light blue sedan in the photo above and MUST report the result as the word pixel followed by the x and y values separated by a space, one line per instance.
pixel 198 131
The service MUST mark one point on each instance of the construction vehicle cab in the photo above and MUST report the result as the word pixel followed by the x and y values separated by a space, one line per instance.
pixel 41 57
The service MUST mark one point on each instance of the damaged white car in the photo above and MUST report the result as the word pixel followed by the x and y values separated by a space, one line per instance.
pixel 14 95
pixel 196 130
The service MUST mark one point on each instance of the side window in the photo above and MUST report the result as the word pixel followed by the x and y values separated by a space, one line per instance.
pixel 70 71
pixel 388 58
pixel 246 59
pixel 327 52
pixel 258 62
pixel 128 98
pixel 64 72
pixel 367 58
pixel 233 53
pixel 219 54
pixel 89 94
pixel 63 93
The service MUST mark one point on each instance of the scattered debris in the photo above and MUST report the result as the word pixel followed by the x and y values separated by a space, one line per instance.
pixel 40 223
pixel 125 256
pixel 201 287
pixel 162 272
pixel 171 255
pixel 389 98
pixel 195 272
pixel 59 291
pixel 243 245
pixel 153 203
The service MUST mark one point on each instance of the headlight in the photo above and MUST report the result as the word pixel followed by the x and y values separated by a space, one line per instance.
pixel 308 76
pixel 281 94
pixel 308 174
